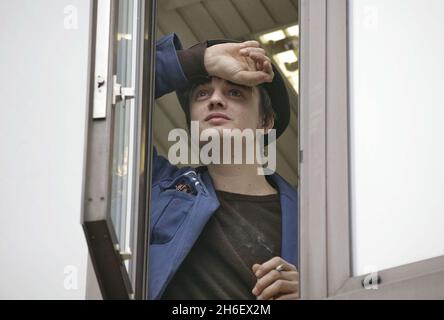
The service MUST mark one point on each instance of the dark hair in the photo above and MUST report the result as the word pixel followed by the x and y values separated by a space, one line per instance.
pixel 265 107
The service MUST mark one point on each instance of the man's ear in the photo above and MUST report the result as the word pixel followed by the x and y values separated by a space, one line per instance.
pixel 268 124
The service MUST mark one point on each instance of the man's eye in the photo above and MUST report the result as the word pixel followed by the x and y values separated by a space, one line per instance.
pixel 235 93
pixel 201 93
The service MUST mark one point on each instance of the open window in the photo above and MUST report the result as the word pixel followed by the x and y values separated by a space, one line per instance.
pixel 124 121
pixel 116 190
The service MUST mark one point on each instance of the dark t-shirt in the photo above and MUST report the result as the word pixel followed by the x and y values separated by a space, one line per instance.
pixel 244 230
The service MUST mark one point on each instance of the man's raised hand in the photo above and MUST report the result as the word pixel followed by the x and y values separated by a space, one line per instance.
pixel 242 63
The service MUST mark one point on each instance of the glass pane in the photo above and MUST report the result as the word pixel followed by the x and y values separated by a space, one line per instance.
pixel 122 169
pixel 396 113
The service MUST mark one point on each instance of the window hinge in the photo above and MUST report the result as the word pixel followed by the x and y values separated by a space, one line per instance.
pixel 121 93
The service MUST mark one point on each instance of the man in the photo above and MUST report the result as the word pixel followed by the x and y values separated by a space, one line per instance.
pixel 222 231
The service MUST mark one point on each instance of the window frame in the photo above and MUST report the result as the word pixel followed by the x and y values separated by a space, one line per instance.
pixel 313 273
pixel 101 237
pixel 326 253
pixel 113 278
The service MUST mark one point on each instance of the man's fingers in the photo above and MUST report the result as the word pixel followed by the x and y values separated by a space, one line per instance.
pixel 249 51
pixel 279 287
pixel 267 67
pixel 271 277
pixel 272 264
pixel 259 65
pixel 249 43
pixel 258 57
pixel 252 78
pixel 263 63
pixel 255 267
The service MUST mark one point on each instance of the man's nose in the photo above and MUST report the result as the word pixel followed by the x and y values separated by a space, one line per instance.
pixel 217 100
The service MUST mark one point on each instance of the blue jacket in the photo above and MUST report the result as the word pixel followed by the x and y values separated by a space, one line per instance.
pixel 178 218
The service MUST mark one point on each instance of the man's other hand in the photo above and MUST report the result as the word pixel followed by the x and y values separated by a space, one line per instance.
pixel 273 284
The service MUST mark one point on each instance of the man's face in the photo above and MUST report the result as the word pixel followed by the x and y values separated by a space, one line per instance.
pixel 222 105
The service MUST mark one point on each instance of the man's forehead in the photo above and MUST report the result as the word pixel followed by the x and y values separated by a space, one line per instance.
pixel 209 80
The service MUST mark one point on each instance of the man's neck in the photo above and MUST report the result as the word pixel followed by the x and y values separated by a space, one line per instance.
pixel 240 178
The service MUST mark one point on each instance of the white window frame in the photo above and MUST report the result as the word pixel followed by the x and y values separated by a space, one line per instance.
pixel 324 189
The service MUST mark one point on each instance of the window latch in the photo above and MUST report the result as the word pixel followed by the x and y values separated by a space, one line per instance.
pixel 124 254
pixel 121 93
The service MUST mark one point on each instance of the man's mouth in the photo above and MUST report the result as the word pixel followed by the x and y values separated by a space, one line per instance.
pixel 217 117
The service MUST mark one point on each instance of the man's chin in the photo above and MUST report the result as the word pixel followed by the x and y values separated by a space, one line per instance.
pixel 219 128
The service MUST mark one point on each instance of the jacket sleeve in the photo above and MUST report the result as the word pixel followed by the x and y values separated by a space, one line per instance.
pixel 169 73
pixel 162 168
pixel 169 77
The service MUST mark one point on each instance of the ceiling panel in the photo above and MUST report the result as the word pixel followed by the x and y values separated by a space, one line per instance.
pixel 227 17
pixel 170 21
pixel 200 22
pixel 172 4
pixel 255 14
pixel 282 11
